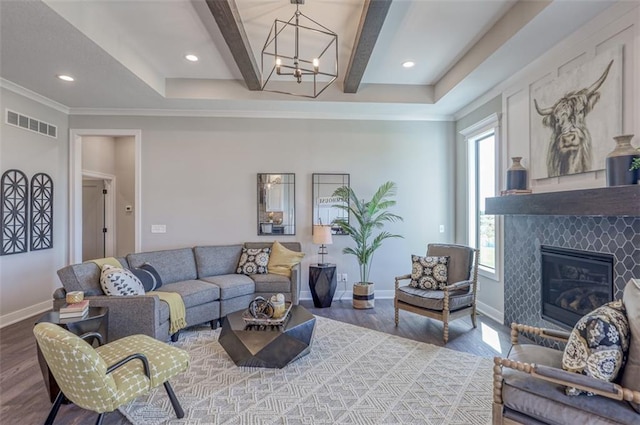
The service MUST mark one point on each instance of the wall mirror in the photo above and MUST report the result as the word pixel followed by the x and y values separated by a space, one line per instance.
pixel 324 210
pixel 276 204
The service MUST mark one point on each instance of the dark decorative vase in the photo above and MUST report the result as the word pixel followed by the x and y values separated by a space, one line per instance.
pixel 516 175
pixel 619 161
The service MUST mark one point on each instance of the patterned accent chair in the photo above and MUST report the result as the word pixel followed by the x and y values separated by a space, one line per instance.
pixel 102 379
pixel 457 299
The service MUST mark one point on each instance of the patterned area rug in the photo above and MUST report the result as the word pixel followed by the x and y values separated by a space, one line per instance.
pixel 353 375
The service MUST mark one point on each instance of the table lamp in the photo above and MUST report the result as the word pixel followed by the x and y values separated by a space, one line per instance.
pixel 322 237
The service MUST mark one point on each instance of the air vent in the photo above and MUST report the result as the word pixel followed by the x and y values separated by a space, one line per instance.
pixel 18 120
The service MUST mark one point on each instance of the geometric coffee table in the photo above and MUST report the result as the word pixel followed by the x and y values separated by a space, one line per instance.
pixel 274 347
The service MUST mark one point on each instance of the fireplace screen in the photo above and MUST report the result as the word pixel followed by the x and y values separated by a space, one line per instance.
pixel 574 283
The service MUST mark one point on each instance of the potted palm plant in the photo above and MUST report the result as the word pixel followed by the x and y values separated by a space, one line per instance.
pixel 368 217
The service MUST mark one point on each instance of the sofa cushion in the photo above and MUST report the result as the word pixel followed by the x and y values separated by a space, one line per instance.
pixel 547 403
pixel 598 344
pixel 631 374
pixel 271 283
pixel 282 259
pixel 193 292
pixel 173 265
pixel 433 300
pixel 148 276
pixel 217 259
pixel 232 285
pixel 116 281
pixel 428 272
pixel 253 261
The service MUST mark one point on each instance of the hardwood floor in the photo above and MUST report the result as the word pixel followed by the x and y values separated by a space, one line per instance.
pixel 24 400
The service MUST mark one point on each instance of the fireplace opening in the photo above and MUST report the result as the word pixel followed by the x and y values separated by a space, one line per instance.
pixel 574 283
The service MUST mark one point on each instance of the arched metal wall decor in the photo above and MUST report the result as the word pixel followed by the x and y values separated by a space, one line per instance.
pixel 41 212
pixel 13 212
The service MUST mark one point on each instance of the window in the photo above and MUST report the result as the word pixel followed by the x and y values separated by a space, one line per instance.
pixel 483 146
pixel 485 183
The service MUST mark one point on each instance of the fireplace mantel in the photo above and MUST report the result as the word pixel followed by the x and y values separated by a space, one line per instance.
pixel 606 201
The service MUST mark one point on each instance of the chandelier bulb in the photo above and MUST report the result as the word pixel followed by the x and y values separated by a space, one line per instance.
pixel 316 64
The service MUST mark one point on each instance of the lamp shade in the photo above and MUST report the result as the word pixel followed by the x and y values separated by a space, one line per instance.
pixel 322 235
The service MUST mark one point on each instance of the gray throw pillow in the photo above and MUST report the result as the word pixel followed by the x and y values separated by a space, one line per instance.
pixel 148 276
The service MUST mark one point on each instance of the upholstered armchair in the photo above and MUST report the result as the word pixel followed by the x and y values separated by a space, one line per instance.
pixel 529 385
pixel 454 299
pixel 104 378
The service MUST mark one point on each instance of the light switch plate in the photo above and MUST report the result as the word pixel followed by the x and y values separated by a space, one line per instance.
pixel 158 228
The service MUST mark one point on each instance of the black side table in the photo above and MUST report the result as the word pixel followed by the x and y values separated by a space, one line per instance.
pixel 95 321
pixel 322 282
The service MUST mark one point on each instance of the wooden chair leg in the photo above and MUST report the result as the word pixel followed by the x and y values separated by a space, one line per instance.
pixel 446 331
pixel 473 317
pixel 100 418
pixel 54 409
pixel 174 400
pixel 397 316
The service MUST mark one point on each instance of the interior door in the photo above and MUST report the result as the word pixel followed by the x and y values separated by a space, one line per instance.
pixel 93 219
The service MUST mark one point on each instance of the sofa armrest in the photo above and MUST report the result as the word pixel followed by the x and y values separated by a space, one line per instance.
pixel 554 334
pixel 129 315
pixel 295 284
pixel 561 377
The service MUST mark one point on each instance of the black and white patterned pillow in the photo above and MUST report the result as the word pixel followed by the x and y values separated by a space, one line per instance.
pixel 117 281
pixel 148 276
pixel 428 272
pixel 598 344
pixel 253 261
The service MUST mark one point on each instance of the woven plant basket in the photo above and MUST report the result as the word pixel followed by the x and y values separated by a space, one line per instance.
pixel 363 296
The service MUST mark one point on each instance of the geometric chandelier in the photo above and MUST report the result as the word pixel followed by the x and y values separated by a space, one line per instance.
pixel 299 57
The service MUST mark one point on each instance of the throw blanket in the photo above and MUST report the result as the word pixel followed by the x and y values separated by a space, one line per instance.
pixel 177 312
pixel 108 260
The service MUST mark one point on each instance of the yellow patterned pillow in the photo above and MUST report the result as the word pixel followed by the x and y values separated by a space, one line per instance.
pixel 282 260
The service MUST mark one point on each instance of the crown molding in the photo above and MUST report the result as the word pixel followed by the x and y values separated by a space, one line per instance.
pixel 6 84
pixel 270 114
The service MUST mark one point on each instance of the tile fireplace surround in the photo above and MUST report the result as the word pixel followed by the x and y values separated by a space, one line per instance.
pixel 524 234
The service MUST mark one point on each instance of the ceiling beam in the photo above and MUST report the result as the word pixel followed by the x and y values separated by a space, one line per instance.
pixel 373 15
pixel 227 17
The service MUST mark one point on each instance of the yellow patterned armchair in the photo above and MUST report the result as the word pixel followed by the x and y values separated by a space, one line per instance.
pixel 104 378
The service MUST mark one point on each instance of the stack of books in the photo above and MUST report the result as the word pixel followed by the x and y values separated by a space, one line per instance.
pixel 74 310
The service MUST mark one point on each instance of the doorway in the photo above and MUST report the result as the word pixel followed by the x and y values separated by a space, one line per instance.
pixel 98 215
pixel 76 252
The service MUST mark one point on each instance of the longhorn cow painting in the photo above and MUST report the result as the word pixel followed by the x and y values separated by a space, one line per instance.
pixel 574 118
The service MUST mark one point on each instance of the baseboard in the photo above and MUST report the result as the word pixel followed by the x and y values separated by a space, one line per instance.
pixel 341 293
pixel 490 312
pixel 16 316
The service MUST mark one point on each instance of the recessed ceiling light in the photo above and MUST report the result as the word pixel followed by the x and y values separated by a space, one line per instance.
pixel 191 58
pixel 66 77
pixel 408 64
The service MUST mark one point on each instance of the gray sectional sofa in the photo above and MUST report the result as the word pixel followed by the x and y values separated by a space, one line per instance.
pixel 205 277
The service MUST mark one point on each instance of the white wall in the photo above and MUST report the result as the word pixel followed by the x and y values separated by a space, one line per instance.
pixel 618 27
pixel 199 179
pixel 27 280
pixel 125 174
